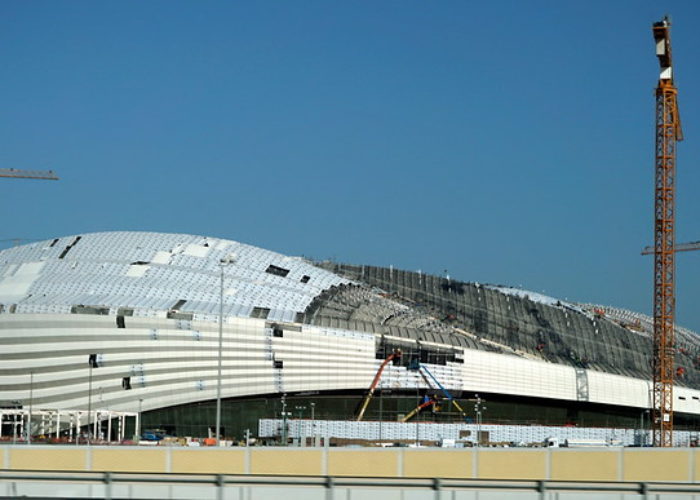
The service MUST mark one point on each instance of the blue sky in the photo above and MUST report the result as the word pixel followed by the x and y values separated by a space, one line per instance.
pixel 506 142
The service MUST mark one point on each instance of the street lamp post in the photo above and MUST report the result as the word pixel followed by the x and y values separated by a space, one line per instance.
pixel 223 262
pixel 221 343
pixel 138 422
pixel 93 362
pixel 313 423
pixel 302 435
pixel 15 423
pixel 31 401
pixel 89 399
pixel 284 419
pixel 417 416
pixel 478 409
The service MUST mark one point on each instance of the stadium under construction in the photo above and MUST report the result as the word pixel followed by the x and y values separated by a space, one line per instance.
pixel 130 323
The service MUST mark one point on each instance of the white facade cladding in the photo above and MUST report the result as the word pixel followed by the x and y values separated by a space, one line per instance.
pixel 135 316
pixel 157 361
pixel 495 373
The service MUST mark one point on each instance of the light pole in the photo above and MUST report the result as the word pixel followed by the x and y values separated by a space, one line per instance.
pixel 417 415
pixel 99 417
pixel 223 262
pixel 313 424
pixel 92 362
pixel 284 419
pixel 643 430
pixel 302 436
pixel 138 422
pixel 29 420
pixel 15 423
pixel 478 409
pixel 381 411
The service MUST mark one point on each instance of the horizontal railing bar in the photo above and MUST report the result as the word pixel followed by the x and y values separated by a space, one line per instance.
pixel 223 480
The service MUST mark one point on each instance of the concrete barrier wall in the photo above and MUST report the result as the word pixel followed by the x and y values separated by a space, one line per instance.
pixel 622 464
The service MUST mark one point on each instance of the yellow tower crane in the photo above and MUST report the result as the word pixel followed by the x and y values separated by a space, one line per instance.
pixel 668 132
pixel 28 174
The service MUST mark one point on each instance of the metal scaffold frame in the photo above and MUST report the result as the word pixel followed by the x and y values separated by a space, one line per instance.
pixel 63 422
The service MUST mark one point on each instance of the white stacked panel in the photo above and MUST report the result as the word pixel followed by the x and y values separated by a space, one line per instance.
pixel 427 431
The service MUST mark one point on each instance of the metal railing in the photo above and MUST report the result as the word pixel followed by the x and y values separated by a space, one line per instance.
pixel 330 484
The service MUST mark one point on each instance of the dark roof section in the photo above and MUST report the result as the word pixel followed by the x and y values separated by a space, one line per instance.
pixel 555 333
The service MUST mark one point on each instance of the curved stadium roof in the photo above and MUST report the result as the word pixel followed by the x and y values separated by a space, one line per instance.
pixel 156 272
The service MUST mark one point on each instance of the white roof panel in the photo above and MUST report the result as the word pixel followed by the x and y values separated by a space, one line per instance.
pixel 143 270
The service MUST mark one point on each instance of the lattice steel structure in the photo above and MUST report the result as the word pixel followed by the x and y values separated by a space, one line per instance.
pixel 668 132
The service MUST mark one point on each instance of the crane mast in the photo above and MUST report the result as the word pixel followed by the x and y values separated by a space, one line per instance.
pixel 668 133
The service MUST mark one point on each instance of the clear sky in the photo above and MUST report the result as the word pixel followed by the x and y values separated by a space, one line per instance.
pixel 506 142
